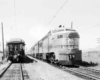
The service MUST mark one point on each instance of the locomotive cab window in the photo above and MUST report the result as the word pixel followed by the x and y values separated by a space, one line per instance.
pixel 73 35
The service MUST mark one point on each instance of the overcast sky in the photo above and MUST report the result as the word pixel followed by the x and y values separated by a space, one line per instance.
pixel 29 19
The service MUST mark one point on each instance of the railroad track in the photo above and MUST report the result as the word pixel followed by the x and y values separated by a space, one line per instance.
pixel 82 72
pixel 90 69
pixel 15 71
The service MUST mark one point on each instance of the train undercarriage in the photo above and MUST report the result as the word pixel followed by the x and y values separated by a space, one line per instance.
pixel 64 59
pixel 16 59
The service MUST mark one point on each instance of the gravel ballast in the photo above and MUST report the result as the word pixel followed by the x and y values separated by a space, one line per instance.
pixel 43 71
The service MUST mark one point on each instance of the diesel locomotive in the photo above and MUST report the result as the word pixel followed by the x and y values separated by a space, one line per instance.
pixel 59 46
pixel 15 50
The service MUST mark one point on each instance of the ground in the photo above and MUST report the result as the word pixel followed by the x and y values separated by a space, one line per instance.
pixel 39 70
pixel 44 71
pixel 3 66
pixel 92 57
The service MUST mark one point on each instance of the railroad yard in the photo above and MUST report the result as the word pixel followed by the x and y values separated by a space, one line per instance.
pixel 39 41
pixel 34 69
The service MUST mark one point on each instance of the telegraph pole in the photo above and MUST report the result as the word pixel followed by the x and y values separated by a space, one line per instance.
pixel 98 40
pixel 2 40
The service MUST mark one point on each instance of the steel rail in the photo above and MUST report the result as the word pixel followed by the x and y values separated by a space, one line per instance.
pixel 77 73
pixel 21 70
pixel 14 71
pixel 25 75
pixel 90 69
pixel 82 74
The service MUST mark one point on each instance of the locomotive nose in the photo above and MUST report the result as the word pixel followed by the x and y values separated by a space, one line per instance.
pixel 73 40
pixel 73 35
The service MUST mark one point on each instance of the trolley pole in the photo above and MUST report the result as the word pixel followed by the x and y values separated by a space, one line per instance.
pixel 2 40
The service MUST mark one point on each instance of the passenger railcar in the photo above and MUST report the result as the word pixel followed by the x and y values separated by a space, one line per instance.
pixel 15 50
pixel 59 46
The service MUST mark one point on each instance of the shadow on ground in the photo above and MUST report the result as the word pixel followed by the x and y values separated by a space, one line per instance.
pixel 88 64
pixel 28 60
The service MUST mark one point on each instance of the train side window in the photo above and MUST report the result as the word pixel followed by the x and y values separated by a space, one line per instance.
pixel 40 44
pixel 76 46
pixel 70 47
pixel 60 36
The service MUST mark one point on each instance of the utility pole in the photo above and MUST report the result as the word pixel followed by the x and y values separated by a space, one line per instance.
pixel 2 40
pixel 71 25
pixel 98 40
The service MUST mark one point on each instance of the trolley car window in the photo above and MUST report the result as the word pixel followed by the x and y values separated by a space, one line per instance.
pixel 40 44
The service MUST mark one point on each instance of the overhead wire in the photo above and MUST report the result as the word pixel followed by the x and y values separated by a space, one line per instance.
pixel 57 12
pixel 90 27
pixel 15 12
pixel 14 15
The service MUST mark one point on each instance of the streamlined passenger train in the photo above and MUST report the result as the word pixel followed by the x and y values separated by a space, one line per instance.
pixel 59 46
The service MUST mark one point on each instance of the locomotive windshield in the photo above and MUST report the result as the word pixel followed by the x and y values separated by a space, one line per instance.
pixel 73 40
pixel 73 35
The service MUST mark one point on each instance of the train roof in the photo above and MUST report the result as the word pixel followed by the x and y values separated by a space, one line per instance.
pixel 16 41
pixel 62 29
pixel 72 32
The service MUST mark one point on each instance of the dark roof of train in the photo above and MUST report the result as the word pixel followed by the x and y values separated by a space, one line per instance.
pixel 15 41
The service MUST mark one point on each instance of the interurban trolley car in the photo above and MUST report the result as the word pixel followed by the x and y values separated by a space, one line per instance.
pixel 15 50
pixel 59 46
